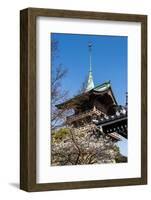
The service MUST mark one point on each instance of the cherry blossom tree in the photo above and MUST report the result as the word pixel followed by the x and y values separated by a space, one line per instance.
pixel 82 146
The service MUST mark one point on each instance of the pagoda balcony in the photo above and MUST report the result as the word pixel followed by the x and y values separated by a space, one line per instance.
pixel 80 116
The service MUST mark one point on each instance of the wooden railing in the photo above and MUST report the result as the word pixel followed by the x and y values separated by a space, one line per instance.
pixel 79 116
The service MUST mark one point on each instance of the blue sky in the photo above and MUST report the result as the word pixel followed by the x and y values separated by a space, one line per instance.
pixel 109 62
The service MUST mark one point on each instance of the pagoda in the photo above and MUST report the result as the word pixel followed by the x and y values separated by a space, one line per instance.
pixel 94 103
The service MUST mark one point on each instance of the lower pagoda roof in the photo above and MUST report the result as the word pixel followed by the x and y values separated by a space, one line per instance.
pixel 103 90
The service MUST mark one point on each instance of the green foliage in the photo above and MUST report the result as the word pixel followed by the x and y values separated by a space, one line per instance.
pixel 60 134
pixel 119 157
pixel 117 149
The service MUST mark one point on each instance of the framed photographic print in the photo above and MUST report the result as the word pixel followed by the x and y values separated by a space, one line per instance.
pixel 83 99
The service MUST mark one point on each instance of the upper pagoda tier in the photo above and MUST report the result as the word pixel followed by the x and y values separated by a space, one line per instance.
pixel 101 97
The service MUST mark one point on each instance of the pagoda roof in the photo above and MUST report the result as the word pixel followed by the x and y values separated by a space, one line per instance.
pixel 99 89
pixel 102 87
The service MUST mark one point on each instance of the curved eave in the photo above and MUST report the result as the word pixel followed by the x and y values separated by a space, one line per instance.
pixel 101 89
pixel 73 100
pixel 113 96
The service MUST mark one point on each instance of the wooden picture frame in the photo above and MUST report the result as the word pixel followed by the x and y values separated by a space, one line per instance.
pixel 28 98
